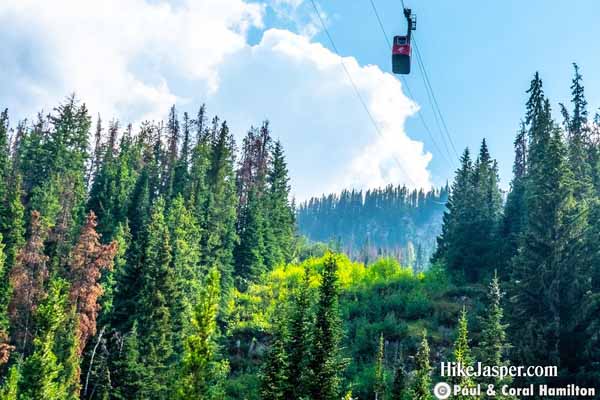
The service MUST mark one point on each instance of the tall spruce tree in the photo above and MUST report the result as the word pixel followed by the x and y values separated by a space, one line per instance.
pixel 43 374
pixel 5 167
pixel 327 364
pixel 280 216
pixel 219 223
pixel 493 345
pixel 156 300
pixel 541 273
pixel 462 354
pixel 421 385
pixel 202 372
pixel 380 387
pixel 513 221
pixel 274 379
pixel 579 142
pixel 299 341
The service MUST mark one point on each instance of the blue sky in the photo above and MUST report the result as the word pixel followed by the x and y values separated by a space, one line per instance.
pixel 480 57
pixel 256 59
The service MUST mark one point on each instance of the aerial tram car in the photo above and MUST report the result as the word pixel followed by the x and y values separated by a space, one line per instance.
pixel 401 48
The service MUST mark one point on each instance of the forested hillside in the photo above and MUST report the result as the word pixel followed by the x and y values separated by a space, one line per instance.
pixel 391 221
pixel 163 262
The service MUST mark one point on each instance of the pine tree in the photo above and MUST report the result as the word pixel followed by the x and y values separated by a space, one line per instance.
pixel 202 372
pixel 156 300
pixel 181 171
pixel 43 373
pixel 280 215
pixel 10 387
pixel 131 372
pixel 28 278
pixel 462 353
pixel 541 314
pixel 380 384
pixel 5 161
pixel 578 138
pixel 219 223
pixel 298 346
pixel 493 343
pixel 5 347
pixel 453 244
pixel 513 221
pixel 399 385
pixel 15 236
pixel 185 263
pixel 250 251
pixel 421 386
pixel 88 259
pixel 274 379
pixel 326 364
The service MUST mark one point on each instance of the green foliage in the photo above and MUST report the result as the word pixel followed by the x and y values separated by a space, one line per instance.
pixel 380 383
pixel 462 353
pixel 421 387
pixel 326 362
pixel 44 374
pixel 202 372
pixel 274 378
pixel 380 222
pixel 156 303
pixel 467 245
pixel 10 387
pixel 493 345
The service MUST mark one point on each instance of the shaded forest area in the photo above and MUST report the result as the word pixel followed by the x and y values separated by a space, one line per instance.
pixel 387 222
pixel 165 263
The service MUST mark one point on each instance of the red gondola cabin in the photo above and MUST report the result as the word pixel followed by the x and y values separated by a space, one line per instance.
pixel 401 55
pixel 401 49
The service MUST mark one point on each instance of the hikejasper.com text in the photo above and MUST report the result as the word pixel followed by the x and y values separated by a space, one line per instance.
pixel 455 369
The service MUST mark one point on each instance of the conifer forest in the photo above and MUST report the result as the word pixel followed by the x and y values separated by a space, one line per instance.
pixel 163 260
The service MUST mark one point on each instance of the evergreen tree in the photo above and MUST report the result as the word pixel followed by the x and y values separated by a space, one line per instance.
pixel 578 138
pixel 10 387
pixel 28 279
pixel 88 259
pixel 298 346
pixel 399 385
pixel 274 379
pixel 202 372
pixel 181 171
pixel 453 246
pixel 380 384
pixel 4 172
pixel 156 301
pixel 15 236
pixel 185 263
pixel 250 251
pixel 132 373
pixel 43 373
pixel 541 313
pixel 219 223
pixel 281 221
pixel 326 364
pixel 513 221
pixel 494 343
pixel 421 386
pixel 462 353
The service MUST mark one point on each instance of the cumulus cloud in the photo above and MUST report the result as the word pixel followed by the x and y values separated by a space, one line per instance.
pixel 132 59
pixel 331 142
pixel 117 54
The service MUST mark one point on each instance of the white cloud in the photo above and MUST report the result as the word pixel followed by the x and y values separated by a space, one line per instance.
pixel 330 140
pixel 132 59
pixel 118 53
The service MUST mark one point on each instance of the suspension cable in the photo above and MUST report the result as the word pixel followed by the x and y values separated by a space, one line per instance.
pixel 357 92
pixel 420 114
